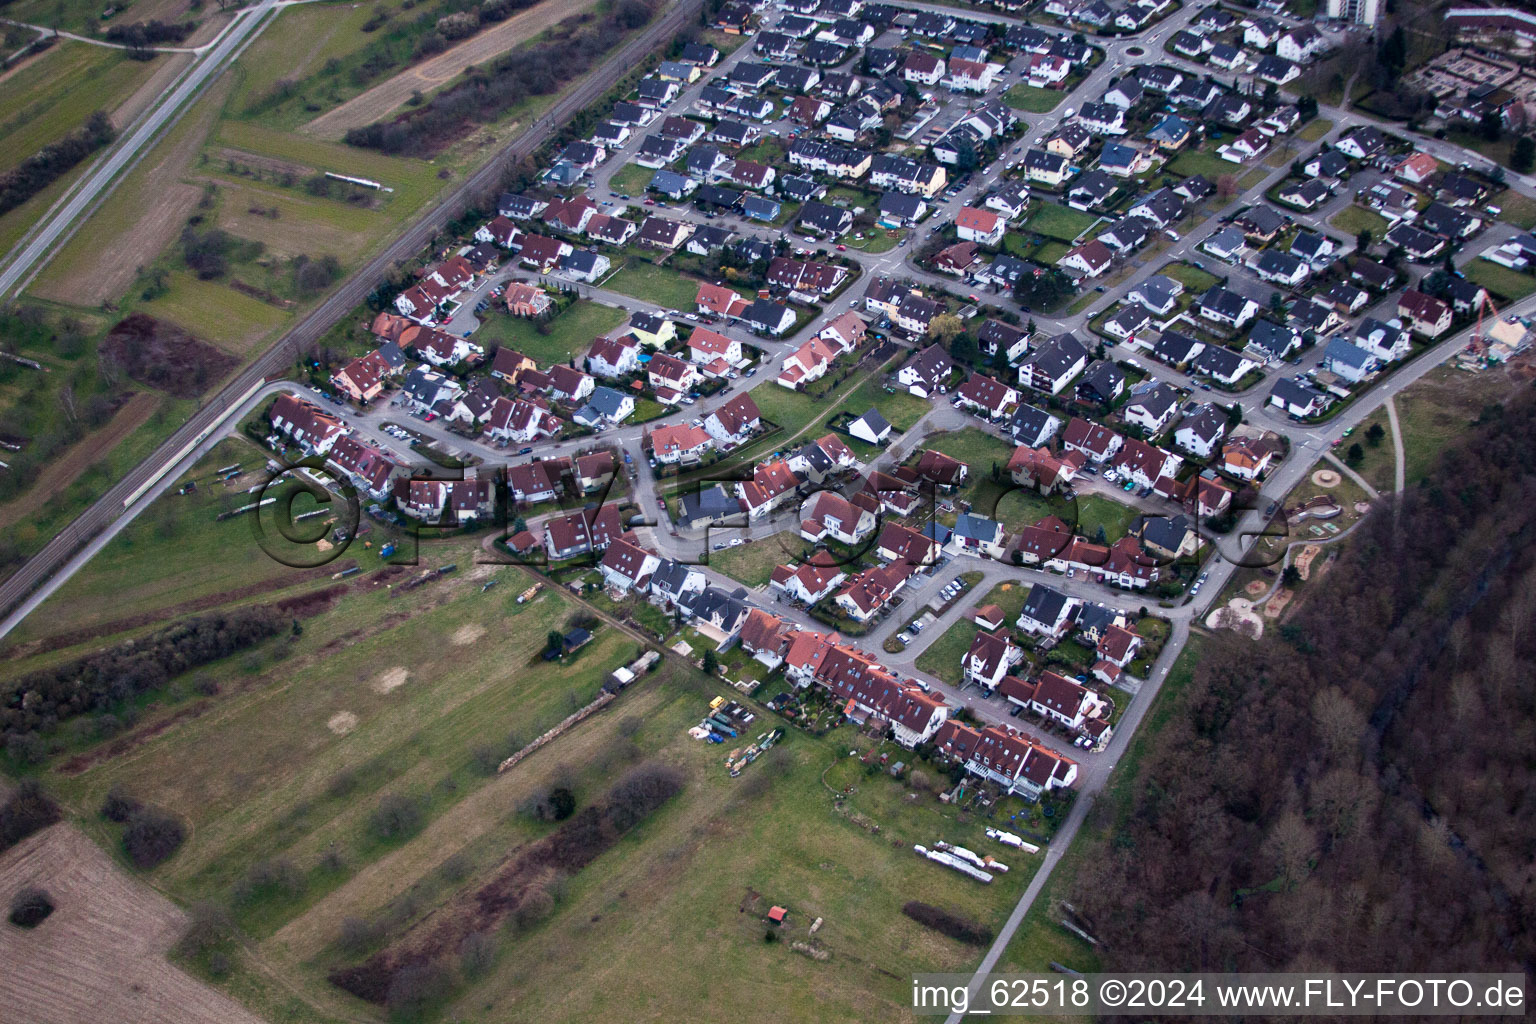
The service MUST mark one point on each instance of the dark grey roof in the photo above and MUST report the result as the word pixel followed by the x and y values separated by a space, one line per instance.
pixel 1103 378
pixel 1029 423
pixel 715 195
pixel 1130 318
pixel 1291 392
pixel 1166 532
pixel 712 503
pixel 1044 604
pixel 1219 362
pixel 1157 400
pixel 1228 303
pixel 1174 348
pixel 1272 338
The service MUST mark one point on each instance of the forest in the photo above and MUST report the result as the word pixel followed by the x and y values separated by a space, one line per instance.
pixel 1354 792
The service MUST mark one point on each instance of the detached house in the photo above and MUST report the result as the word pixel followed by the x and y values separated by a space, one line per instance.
pixel 829 514
pixel 1425 314
pixel 1053 364
pixel 982 226
pixel 987 396
pixel 1087 260
pixel 991 657
pixel 735 421
pixel 926 371
pixel 1047 611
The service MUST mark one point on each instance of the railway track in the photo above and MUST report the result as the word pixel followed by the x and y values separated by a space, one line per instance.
pixel 276 360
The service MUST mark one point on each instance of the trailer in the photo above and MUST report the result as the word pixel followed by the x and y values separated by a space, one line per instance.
pixel 951 861
pixel 970 857
pixel 1009 839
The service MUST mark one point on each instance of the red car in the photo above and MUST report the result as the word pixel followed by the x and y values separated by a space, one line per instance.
pixel 842 248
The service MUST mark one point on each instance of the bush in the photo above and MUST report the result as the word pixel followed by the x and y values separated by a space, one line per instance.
pixel 431 43
pixel 557 804
pixel 29 907
pixel 458 25
pixel 209 928
pixel 105 679
pixel 342 783
pixel 357 935
pixel 416 987
pixel 28 810
pixel 536 905
pixel 639 792
pixel 477 953
pixel 50 163
pixel 944 922
pixel 118 806
pixel 151 837
pixel 277 877
pixel 396 816
pixel 486 759
pixel 26 748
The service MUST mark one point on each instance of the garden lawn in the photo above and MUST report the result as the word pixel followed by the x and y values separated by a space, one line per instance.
pixel 1517 209
pixel 1032 100
pixel 1095 511
pixel 1193 279
pixel 1502 282
pixel 661 285
pixel 1353 219
pixel 631 180
pixel 1060 222
pixel 944 656
pixel 901 410
pixel 570 334
pixel 1314 129
pixel 876 240
pixel 1195 161
pixel 1015 507
pixel 753 563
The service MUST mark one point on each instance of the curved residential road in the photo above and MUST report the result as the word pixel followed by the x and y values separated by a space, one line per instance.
pixel 111 505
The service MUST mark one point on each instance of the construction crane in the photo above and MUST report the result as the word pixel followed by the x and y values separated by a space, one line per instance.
pixel 1478 344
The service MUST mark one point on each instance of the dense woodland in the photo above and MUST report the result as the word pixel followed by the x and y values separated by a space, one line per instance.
pixel 1355 792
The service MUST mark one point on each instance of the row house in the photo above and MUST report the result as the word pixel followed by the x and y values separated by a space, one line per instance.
pixel 1006 757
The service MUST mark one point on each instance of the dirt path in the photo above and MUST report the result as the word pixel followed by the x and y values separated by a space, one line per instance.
pixel 1399 477
pixel 101 954
pixel 1365 484
pixel 61 473
pixel 385 97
